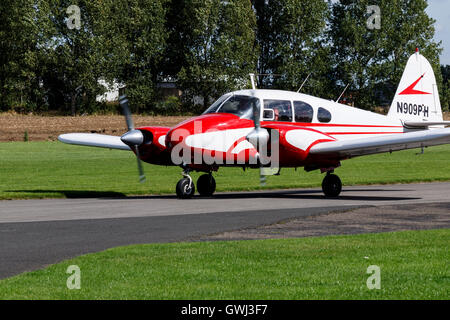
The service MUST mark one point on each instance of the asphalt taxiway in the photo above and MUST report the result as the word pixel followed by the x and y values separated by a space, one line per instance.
pixel 35 233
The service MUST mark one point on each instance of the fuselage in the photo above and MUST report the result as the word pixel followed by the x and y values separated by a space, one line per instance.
pixel 300 119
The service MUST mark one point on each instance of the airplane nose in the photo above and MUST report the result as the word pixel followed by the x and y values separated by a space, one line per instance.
pixel 133 138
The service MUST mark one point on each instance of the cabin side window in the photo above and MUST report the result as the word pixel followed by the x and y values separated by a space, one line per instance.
pixel 303 112
pixel 281 108
pixel 324 115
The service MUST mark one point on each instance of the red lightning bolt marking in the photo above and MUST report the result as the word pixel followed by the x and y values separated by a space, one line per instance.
pixel 411 90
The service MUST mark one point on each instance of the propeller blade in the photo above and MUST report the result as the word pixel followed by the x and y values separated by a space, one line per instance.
pixel 139 163
pixel 256 115
pixel 259 138
pixel 133 138
pixel 262 177
pixel 123 101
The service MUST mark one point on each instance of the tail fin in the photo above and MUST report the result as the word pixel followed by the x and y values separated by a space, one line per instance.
pixel 417 97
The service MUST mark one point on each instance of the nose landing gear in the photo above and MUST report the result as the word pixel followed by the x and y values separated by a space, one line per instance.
pixel 185 187
pixel 331 185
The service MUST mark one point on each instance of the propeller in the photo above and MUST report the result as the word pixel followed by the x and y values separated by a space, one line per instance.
pixel 259 138
pixel 133 138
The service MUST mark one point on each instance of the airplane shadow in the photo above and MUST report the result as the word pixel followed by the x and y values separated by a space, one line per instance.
pixel 311 195
pixel 286 194
pixel 74 194
pixel 290 194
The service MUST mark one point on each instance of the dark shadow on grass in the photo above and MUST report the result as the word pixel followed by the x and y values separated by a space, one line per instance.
pixel 74 194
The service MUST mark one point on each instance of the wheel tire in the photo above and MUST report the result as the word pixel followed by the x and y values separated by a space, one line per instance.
pixel 185 188
pixel 206 185
pixel 331 186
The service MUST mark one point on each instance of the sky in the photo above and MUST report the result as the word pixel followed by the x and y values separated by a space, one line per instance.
pixel 439 10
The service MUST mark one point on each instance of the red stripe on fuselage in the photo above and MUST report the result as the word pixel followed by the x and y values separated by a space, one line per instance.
pixel 335 133
pixel 301 124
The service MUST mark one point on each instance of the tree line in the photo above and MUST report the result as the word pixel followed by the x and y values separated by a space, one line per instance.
pixel 54 52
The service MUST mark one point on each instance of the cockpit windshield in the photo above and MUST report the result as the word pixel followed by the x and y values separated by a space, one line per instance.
pixel 241 106
pixel 216 105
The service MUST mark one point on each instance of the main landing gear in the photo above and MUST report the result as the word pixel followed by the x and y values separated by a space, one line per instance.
pixel 331 185
pixel 206 185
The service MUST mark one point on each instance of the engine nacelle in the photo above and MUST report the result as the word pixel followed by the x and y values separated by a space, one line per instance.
pixel 153 148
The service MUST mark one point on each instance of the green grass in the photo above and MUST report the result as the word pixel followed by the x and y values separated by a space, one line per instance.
pixel 55 170
pixel 413 264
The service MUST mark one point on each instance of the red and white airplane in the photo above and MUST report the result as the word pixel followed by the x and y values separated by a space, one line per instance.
pixel 271 129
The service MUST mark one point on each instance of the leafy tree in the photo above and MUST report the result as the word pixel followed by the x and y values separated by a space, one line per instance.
pixel 445 70
pixel 19 82
pixel 445 95
pixel 118 41
pixel 209 46
pixel 70 54
pixel 178 26
pixel 135 35
pixel 290 37
pixel 372 58
pixel 220 48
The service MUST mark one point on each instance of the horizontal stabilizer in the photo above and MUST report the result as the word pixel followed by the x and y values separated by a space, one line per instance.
pixel 94 140
pixel 386 143
pixel 424 124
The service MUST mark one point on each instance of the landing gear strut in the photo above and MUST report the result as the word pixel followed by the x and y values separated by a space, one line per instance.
pixel 185 187
pixel 331 185
pixel 206 185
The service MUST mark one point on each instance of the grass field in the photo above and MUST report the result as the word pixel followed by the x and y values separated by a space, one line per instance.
pixel 413 265
pixel 55 170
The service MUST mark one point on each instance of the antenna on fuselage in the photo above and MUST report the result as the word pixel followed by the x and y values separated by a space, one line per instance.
pixel 252 79
pixel 342 93
pixel 303 83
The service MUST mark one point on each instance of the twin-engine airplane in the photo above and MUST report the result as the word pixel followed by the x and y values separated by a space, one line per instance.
pixel 271 129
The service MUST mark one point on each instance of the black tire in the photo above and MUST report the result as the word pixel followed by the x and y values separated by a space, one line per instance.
pixel 185 188
pixel 331 186
pixel 206 185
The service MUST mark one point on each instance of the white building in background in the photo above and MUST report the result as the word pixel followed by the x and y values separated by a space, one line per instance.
pixel 112 91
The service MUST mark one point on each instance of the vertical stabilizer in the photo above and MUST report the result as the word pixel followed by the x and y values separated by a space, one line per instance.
pixel 417 97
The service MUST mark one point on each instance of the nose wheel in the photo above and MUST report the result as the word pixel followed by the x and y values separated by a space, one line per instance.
pixel 331 185
pixel 185 187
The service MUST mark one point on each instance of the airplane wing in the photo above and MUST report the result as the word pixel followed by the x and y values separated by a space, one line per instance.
pixel 94 140
pixel 386 143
